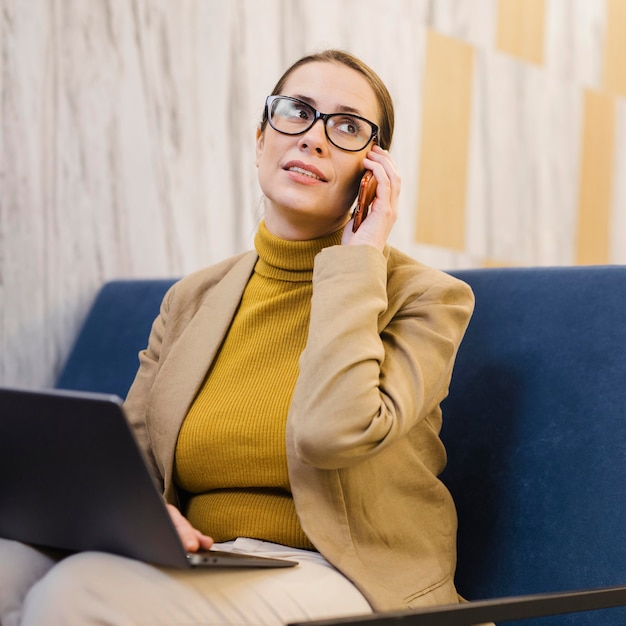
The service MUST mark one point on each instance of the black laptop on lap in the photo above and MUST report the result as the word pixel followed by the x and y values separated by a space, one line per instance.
pixel 72 477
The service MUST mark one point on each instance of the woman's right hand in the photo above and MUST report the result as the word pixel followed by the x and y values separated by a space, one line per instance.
pixel 193 540
pixel 384 210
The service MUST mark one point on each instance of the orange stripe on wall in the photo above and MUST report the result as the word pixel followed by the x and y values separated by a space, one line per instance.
pixel 615 47
pixel 520 28
pixel 596 180
pixel 444 142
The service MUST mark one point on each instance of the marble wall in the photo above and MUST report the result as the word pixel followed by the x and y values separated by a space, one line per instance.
pixel 127 138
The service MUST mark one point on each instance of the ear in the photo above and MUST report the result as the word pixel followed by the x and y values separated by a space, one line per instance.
pixel 260 141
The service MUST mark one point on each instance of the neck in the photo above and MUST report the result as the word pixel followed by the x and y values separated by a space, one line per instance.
pixel 302 227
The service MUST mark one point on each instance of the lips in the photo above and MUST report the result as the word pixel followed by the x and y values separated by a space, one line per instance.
pixel 306 170
pixel 300 170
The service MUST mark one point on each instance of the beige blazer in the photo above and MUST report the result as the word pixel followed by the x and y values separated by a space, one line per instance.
pixel 363 441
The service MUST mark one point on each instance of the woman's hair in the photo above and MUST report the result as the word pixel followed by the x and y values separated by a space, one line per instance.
pixel 385 103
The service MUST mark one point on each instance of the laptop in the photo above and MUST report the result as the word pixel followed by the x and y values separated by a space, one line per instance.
pixel 73 478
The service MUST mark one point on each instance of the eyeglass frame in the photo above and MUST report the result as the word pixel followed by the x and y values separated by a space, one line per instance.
pixel 318 116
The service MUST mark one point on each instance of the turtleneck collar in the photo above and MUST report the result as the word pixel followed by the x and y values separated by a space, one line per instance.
pixel 289 260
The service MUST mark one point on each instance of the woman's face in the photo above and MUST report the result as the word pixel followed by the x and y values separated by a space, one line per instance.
pixel 305 206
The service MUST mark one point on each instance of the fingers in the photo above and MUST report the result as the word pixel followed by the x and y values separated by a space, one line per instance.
pixel 383 212
pixel 192 539
pixel 384 168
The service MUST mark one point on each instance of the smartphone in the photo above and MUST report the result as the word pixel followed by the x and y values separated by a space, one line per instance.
pixel 367 191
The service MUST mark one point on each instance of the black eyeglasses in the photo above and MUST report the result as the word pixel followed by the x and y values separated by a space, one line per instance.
pixel 346 131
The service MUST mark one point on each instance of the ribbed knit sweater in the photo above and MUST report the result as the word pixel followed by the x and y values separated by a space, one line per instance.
pixel 231 452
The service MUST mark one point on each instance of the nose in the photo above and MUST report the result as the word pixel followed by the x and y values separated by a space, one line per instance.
pixel 314 138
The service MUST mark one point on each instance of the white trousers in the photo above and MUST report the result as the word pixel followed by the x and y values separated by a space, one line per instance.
pixel 89 588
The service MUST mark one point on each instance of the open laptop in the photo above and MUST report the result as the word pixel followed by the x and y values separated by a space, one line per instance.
pixel 72 477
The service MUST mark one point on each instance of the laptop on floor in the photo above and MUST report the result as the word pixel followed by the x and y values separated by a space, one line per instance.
pixel 73 477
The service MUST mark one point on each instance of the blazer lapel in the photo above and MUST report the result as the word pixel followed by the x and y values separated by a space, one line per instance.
pixel 188 362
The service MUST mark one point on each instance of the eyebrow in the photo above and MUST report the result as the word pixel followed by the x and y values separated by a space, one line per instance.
pixel 340 108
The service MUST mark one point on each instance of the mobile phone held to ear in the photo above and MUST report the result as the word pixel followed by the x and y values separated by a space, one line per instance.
pixel 367 191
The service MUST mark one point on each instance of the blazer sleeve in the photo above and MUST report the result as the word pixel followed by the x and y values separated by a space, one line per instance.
pixel 383 336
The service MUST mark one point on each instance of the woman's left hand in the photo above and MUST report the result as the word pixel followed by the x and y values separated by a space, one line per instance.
pixel 191 537
pixel 383 212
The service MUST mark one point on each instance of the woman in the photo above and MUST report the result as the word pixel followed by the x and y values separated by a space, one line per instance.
pixel 288 399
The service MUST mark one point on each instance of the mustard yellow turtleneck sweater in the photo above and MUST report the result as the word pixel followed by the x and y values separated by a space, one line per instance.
pixel 231 455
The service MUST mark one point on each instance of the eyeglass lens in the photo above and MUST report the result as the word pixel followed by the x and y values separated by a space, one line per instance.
pixel 292 117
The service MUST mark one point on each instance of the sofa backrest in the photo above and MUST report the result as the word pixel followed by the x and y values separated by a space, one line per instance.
pixel 535 423
pixel 535 428
pixel 104 357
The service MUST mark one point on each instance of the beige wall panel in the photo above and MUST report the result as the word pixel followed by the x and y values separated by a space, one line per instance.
pixel 615 47
pixel 495 263
pixel 446 111
pixel 520 28
pixel 618 214
pixel 596 178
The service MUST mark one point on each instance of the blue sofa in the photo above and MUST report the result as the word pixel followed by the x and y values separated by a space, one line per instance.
pixel 534 425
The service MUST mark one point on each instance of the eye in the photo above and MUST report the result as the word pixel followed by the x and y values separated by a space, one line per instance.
pixel 294 110
pixel 304 113
pixel 348 125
